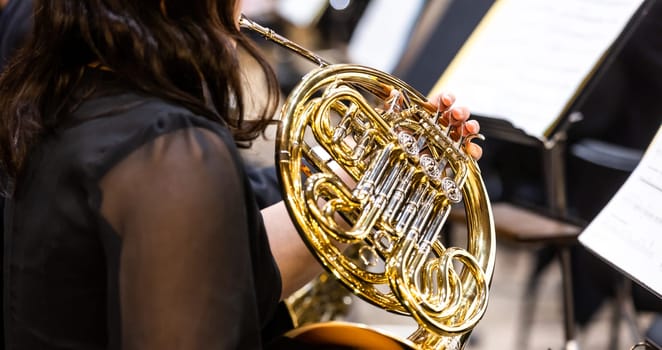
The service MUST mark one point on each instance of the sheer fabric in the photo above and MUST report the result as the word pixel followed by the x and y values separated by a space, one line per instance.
pixel 136 227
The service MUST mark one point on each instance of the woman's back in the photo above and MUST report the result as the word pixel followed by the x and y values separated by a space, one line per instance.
pixel 68 228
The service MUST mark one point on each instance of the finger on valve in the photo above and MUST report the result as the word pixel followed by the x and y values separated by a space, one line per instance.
pixel 470 130
pixel 474 150
pixel 458 118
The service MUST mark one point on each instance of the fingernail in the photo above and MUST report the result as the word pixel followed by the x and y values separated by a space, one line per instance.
pixel 460 113
pixel 472 126
pixel 475 151
pixel 447 99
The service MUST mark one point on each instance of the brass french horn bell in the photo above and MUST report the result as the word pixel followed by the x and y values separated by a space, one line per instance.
pixel 365 160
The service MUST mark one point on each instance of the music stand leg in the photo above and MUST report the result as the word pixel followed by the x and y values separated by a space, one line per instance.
pixel 568 300
pixel 554 164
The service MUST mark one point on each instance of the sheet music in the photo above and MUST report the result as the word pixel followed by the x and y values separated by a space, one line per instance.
pixel 628 231
pixel 527 59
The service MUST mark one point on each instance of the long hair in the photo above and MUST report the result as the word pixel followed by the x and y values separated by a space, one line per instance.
pixel 171 49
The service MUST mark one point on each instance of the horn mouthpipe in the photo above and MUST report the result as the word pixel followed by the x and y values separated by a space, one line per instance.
pixel 272 36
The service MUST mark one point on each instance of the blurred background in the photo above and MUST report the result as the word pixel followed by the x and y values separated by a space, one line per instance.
pixel 416 40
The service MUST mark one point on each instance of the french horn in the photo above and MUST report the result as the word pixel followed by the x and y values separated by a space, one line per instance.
pixel 366 161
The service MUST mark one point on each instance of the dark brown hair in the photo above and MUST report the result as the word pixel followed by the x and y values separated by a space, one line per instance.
pixel 168 48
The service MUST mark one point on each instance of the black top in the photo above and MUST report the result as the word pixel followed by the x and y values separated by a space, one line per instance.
pixel 136 219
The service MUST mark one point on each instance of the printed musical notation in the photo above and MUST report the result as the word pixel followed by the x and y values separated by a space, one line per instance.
pixel 527 60
pixel 628 231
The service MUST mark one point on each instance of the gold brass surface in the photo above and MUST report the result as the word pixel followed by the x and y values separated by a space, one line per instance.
pixel 365 161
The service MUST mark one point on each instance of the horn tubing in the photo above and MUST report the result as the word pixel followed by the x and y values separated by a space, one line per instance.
pixel 271 35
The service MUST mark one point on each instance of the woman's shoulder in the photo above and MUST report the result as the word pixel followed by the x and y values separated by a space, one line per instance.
pixel 109 128
pixel 131 110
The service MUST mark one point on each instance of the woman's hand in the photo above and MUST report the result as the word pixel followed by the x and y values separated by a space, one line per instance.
pixel 459 120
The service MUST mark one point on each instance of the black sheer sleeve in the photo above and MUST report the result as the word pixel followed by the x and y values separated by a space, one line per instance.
pixel 264 181
pixel 186 276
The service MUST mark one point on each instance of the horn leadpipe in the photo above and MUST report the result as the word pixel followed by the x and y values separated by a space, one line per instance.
pixel 270 35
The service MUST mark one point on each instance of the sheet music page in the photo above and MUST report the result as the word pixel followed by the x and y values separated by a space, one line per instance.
pixel 527 59
pixel 628 231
